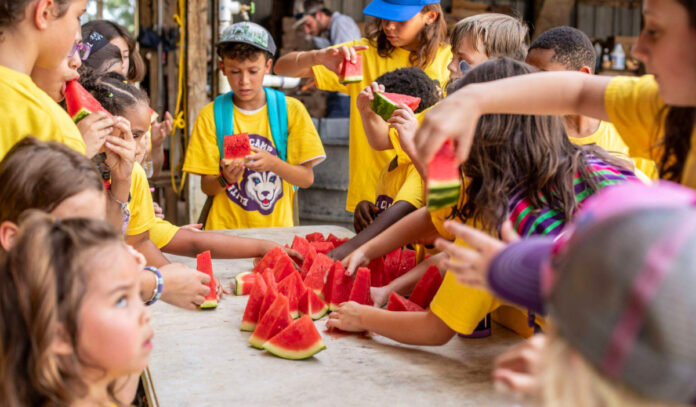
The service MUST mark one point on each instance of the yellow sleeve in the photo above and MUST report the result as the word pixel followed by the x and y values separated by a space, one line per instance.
pixel 162 232
pixel 462 307
pixel 327 79
pixel 412 189
pixel 633 106
pixel 142 212
pixel 304 143
pixel 202 153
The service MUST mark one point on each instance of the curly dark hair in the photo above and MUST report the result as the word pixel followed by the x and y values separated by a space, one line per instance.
pixel 241 51
pixel 113 92
pixel 571 47
pixel 411 81
pixel 12 12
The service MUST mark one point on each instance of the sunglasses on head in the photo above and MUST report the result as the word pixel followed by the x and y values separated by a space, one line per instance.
pixel 83 49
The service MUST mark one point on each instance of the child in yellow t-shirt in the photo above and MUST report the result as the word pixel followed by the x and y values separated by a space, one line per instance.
pixel 400 36
pixel 569 49
pixel 42 40
pixel 258 192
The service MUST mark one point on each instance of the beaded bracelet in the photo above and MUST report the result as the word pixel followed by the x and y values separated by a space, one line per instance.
pixel 157 292
pixel 124 210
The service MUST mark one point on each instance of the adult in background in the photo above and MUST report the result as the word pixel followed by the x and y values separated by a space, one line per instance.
pixel 329 28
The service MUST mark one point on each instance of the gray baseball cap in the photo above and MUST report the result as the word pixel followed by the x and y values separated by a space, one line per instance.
pixel 248 33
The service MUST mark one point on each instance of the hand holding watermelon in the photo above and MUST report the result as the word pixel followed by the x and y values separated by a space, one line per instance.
pixel 347 317
pixel 332 58
pixel 232 171
pixel 261 160
pixel 366 96
pixel 120 150
pixel 356 260
pixel 404 121
pixel 94 129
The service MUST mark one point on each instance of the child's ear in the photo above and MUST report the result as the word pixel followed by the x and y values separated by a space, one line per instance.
pixel 8 231
pixel 585 69
pixel 43 12
pixel 222 66
pixel 269 64
pixel 430 17
pixel 62 345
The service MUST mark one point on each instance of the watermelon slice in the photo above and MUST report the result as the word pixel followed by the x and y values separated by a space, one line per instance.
pixel 204 264
pixel 293 288
pixel 322 247
pixel 335 240
pixel 311 304
pixel 269 260
pixel 408 261
pixel 236 146
pixel 253 307
pixel 443 183
pixel 271 291
pixel 301 245
pixel 339 286
pixel 426 288
pixel 399 303
pixel 378 277
pixel 283 268
pixel 300 340
pixel 275 320
pixel 315 237
pixel 384 104
pixel 316 276
pixel 360 292
pixel 308 261
pixel 80 103
pixel 244 282
pixel 392 262
pixel 351 72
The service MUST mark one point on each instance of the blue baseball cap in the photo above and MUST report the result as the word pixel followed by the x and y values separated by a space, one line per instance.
pixel 396 10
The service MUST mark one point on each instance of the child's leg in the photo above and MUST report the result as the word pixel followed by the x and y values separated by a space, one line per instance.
pixel 404 284
pixel 222 246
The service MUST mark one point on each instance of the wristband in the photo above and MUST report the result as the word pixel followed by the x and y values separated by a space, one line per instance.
pixel 124 210
pixel 222 181
pixel 157 292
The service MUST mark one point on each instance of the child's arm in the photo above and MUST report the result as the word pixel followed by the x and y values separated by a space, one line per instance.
pixel 299 64
pixel 411 328
pixel 376 129
pixel 142 243
pixel 405 123
pixel 387 218
pixel 546 93
pixel 301 175
pixel 405 283
pixel 187 242
pixel 120 156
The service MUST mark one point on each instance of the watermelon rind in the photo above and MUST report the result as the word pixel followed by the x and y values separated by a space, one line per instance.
pixel 352 79
pixel 239 282
pixel 247 326
pixel 295 355
pixel 384 107
pixel 209 304
pixel 80 114
pixel 442 194
pixel 320 314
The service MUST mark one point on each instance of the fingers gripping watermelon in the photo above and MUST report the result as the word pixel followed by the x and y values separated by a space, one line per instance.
pixel 79 102
pixel 253 307
pixel 384 104
pixel 205 265
pixel 275 320
pixel 351 71
pixel 236 146
pixel 300 340
pixel 443 183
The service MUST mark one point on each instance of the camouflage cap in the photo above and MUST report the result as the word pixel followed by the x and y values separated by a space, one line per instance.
pixel 248 33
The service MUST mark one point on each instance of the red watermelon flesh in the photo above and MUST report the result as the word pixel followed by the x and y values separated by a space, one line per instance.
pixel 275 320
pixel 315 237
pixel 283 268
pixel 408 261
pixel 426 288
pixel 378 277
pixel 308 261
pixel 443 181
pixel 244 282
pixel 253 307
pixel 236 146
pixel 351 71
pixel 311 304
pixel 360 292
pixel 384 104
pixel 300 340
pixel 293 288
pixel 205 265
pixel 392 261
pixel 80 103
pixel 316 276
pixel 335 240
pixel 301 245
pixel 399 303
pixel 341 284
pixel 271 291
pixel 269 259
pixel 322 247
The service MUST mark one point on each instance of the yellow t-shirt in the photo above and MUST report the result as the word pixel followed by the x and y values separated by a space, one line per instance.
pixel 259 199
pixel 26 110
pixel 142 211
pixel 366 163
pixel 635 107
pixel 607 137
pixel 162 232
pixel 399 182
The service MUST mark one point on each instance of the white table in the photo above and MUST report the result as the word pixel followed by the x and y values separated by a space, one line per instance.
pixel 201 358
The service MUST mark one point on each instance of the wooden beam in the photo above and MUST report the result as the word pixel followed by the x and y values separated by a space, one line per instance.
pixel 552 14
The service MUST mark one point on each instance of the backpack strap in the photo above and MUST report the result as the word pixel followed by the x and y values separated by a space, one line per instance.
pixel 223 108
pixel 278 118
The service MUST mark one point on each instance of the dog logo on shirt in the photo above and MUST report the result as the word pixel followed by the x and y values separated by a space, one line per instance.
pixel 258 191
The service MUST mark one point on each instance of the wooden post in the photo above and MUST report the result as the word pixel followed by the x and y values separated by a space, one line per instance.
pixel 552 14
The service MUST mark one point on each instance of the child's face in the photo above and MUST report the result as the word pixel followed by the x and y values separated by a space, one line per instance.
pixel 467 53
pixel 542 59
pixel 125 55
pixel 139 118
pixel 60 34
pixel 666 47
pixel 404 34
pixel 246 77
pixel 52 81
pixel 114 334
pixel 86 204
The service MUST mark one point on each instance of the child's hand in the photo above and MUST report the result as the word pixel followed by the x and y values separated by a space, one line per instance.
pixel 160 130
pixel 471 265
pixel 365 214
pixel 347 317
pixel 332 58
pixel 94 129
pixel 159 213
pixel 183 286
pixel 120 150
pixel 380 295
pixel 366 96
pixel 406 124
pixel 356 260
pixel 519 368
pixel 232 171
pixel 193 227
pixel 262 160
pixel 294 255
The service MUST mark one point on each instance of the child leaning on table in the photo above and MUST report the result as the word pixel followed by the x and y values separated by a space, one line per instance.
pixel 258 191
pixel 72 319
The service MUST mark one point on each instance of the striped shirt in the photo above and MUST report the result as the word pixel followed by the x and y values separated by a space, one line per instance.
pixel 529 221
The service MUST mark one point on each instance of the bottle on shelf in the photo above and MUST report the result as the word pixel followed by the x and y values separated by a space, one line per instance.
pixel 618 58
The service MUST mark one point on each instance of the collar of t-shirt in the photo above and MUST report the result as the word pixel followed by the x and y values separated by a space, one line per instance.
pixel 250 112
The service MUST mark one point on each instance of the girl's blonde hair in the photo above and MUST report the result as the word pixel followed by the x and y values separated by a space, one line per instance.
pixel 43 283
pixel 430 38
pixel 570 381
pixel 499 35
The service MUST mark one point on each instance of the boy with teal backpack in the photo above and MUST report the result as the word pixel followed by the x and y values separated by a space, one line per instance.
pixel 256 191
